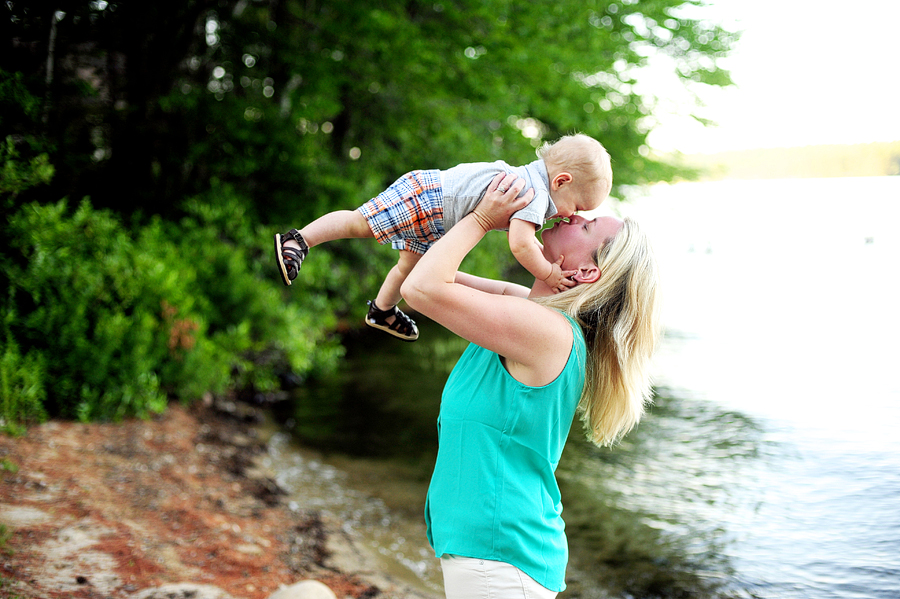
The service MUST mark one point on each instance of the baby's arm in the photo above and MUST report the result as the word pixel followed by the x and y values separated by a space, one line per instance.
pixel 525 247
pixel 491 285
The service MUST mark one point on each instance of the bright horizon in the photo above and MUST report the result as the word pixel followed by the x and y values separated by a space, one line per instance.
pixel 806 73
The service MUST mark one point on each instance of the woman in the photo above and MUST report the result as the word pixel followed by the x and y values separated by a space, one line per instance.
pixel 493 508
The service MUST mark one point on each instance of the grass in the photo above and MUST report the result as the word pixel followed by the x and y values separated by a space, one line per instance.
pixel 4 583
pixel 5 536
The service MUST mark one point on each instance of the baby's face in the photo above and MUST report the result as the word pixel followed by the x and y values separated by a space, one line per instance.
pixel 570 203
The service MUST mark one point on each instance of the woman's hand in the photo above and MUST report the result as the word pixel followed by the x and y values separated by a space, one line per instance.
pixel 500 201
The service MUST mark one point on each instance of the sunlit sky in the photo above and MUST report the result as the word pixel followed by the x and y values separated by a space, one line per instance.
pixel 808 72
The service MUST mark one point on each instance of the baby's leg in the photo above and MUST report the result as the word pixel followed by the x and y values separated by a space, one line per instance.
pixel 340 224
pixel 383 312
pixel 389 294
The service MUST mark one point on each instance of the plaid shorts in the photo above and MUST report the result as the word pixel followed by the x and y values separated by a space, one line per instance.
pixel 409 213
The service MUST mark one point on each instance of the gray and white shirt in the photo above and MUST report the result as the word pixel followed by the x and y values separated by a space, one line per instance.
pixel 464 185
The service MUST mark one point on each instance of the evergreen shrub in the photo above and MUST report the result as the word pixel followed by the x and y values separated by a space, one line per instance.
pixel 113 324
pixel 22 391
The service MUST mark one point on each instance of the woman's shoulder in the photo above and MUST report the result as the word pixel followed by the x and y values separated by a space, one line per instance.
pixel 574 332
pixel 544 340
pixel 544 344
pixel 573 322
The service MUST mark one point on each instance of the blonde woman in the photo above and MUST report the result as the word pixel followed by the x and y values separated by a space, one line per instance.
pixel 493 508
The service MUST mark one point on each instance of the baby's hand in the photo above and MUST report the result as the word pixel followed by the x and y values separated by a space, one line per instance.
pixel 560 280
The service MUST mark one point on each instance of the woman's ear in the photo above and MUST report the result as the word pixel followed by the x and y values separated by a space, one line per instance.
pixel 588 273
pixel 559 180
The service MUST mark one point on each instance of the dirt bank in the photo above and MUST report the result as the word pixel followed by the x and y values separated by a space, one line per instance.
pixel 109 510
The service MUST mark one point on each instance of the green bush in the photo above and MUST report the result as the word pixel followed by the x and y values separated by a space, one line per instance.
pixel 113 324
pixel 17 175
pixel 81 296
pixel 24 162
pixel 22 391
pixel 266 329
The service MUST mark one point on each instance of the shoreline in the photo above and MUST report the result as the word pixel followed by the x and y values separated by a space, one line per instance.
pixel 118 509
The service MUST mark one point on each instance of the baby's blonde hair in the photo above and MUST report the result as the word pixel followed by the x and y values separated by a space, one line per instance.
pixel 582 156
pixel 619 314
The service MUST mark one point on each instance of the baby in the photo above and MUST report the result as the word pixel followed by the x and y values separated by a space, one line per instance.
pixel 573 174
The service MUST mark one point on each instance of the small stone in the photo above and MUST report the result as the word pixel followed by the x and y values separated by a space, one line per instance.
pixel 183 590
pixel 305 589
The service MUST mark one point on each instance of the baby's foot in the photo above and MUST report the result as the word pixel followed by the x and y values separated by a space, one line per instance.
pixel 290 252
pixel 393 322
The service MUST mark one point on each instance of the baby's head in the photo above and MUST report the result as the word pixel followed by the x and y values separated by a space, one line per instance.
pixel 579 171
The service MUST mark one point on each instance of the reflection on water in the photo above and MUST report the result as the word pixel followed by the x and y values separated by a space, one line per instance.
pixel 384 400
pixel 371 500
pixel 644 519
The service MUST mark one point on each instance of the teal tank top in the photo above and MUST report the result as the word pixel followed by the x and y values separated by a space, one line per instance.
pixel 493 494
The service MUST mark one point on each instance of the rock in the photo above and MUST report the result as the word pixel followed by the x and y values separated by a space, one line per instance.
pixel 21 516
pixel 305 589
pixel 182 590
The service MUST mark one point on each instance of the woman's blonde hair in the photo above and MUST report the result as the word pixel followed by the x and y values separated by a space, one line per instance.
pixel 619 314
pixel 584 157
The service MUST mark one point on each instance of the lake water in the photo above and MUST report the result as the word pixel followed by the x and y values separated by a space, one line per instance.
pixel 769 466
pixel 783 304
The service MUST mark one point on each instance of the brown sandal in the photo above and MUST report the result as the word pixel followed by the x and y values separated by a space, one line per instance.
pixel 290 259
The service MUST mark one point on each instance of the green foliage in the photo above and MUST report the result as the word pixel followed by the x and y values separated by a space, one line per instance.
pixel 19 110
pixel 298 88
pixel 17 175
pixel 76 301
pixel 255 112
pixel 19 105
pixel 243 298
pixel 306 107
pixel 115 323
pixel 5 537
pixel 22 391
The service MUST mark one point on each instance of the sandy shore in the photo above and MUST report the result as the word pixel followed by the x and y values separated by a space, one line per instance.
pixel 114 510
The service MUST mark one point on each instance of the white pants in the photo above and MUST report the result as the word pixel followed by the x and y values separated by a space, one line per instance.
pixel 469 578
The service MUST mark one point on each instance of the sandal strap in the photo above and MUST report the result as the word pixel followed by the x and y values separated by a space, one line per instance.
pixel 403 324
pixel 290 253
pixel 296 236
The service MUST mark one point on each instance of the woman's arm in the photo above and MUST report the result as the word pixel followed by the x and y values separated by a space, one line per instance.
pixel 534 340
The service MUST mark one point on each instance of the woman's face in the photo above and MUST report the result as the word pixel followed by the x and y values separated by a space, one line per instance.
pixel 578 239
